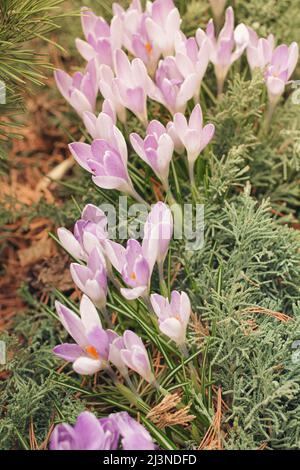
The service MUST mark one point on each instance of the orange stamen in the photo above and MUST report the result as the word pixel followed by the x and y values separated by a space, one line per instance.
pixel 148 48
pixel 133 276
pixel 92 352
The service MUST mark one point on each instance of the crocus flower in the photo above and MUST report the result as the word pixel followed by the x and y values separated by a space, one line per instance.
pixel 173 316
pixel 277 64
pixel 282 65
pixel 134 435
pixel 156 150
pixel 132 84
pixel 90 353
pixel 259 50
pixel 89 231
pixel 134 263
pixel 102 39
pixel 171 88
pixel 81 89
pixel 228 47
pixel 159 227
pixel 192 57
pixel 193 135
pixel 106 159
pixel 92 279
pixel 163 24
pixel 110 92
pixel 135 356
pixel 116 344
pixel 100 127
pixel 88 433
pixel 135 37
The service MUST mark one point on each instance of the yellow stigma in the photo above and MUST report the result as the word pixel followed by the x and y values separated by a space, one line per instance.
pixel 92 352
pixel 133 276
pixel 148 48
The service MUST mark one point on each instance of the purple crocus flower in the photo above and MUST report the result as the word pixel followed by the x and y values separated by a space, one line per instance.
pixel 90 353
pixel 171 88
pixel 135 36
pixel 192 57
pixel 277 63
pixel 193 135
pixel 102 39
pixel 228 47
pixel 89 231
pixel 156 150
pixel 100 127
pixel 106 159
pixel 135 356
pixel 283 63
pixel 134 435
pixel 81 89
pixel 159 228
pixel 163 24
pixel 134 263
pixel 92 279
pixel 88 433
pixel 132 84
pixel 173 316
pixel 116 344
pixel 259 50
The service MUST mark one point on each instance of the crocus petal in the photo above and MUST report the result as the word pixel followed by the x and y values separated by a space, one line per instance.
pixel 89 314
pixel 81 152
pixel 172 328
pixel 72 324
pixel 116 254
pixel 90 431
pixel 68 352
pixel 70 243
pixel 87 366
pixel 135 293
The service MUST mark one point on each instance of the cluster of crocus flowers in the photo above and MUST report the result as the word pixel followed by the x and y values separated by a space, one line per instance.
pixel 277 64
pixel 91 433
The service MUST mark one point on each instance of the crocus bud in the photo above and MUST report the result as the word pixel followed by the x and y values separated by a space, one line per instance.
pixel 110 92
pixel 173 316
pixel 228 47
pixel 156 150
pixel 80 90
pixel 158 230
pixel 92 279
pixel 193 135
pixel 135 356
